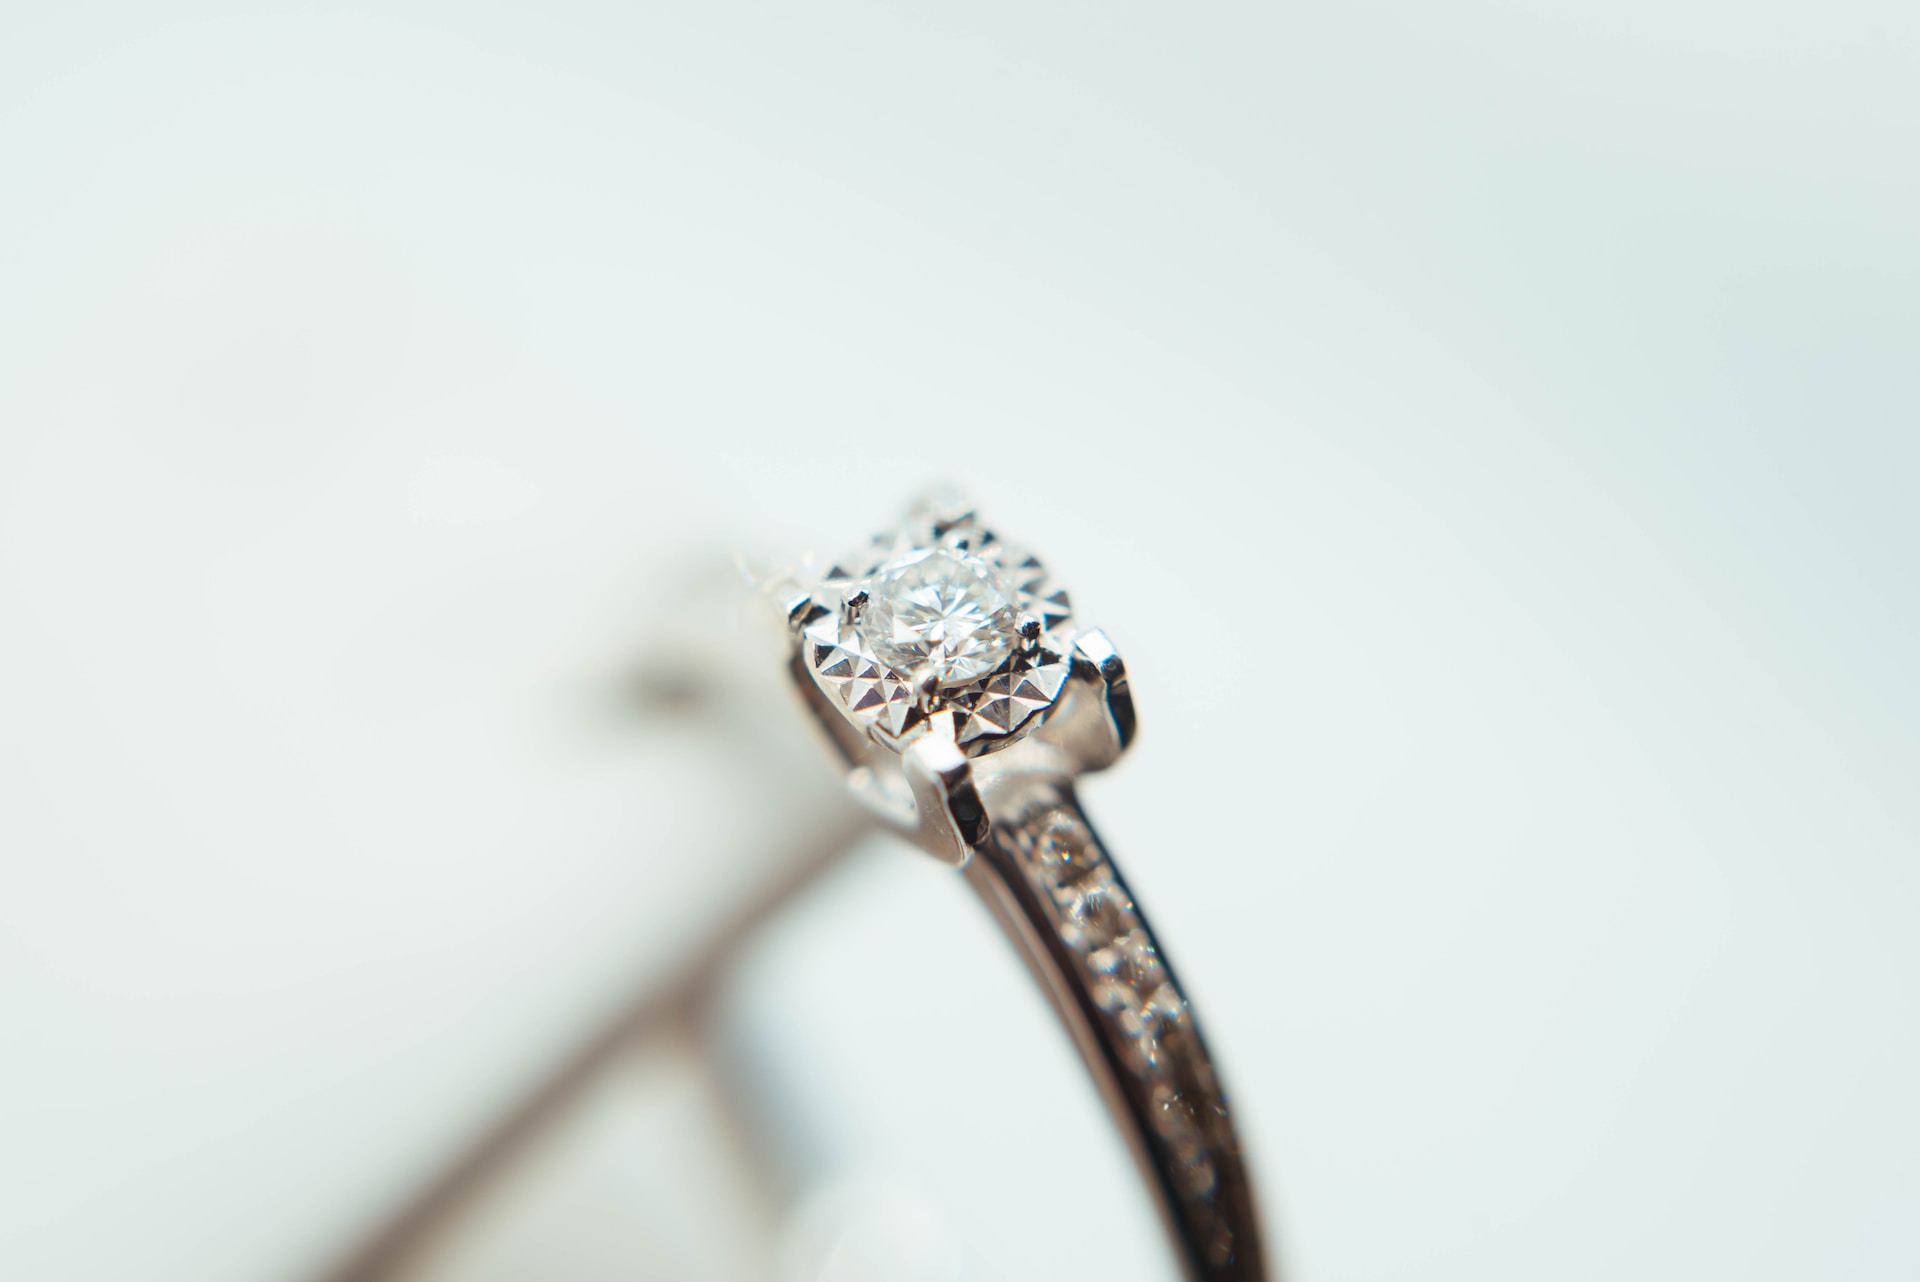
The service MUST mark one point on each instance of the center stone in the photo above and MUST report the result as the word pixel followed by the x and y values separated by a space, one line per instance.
pixel 939 610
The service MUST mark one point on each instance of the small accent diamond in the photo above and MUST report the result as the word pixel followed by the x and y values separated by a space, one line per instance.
pixel 1064 851
pixel 1094 911
pixel 1127 969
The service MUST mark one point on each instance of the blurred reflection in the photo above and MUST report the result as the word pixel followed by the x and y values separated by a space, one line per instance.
pixel 854 1079
pixel 861 1083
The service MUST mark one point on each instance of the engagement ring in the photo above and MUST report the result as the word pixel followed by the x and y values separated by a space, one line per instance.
pixel 945 665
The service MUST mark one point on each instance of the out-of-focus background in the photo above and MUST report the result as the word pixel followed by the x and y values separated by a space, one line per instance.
pixel 410 869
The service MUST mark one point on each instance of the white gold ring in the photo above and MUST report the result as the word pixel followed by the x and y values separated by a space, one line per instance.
pixel 947 669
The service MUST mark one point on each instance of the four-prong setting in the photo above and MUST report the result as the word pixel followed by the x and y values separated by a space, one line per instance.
pixel 942 647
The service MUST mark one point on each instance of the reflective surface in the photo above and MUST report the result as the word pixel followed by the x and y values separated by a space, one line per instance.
pixel 1525 395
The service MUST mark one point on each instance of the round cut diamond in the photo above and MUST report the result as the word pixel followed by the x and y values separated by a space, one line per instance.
pixel 940 611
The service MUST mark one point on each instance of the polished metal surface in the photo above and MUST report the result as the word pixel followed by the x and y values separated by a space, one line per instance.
pixel 1007 815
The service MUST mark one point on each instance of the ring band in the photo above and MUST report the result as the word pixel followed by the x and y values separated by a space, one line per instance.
pixel 1049 880
pixel 945 668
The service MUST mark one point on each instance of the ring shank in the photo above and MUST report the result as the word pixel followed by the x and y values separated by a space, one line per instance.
pixel 1046 876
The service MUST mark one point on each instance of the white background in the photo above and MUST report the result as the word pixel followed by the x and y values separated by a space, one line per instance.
pixel 1518 401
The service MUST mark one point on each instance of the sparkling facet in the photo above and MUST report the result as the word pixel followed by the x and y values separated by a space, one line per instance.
pixel 1064 851
pixel 942 612
pixel 939 602
pixel 1094 911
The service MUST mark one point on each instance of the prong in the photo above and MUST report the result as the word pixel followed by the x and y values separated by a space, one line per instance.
pixel 1029 629
pixel 796 606
pixel 1093 722
pixel 926 686
pixel 952 818
pixel 1116 692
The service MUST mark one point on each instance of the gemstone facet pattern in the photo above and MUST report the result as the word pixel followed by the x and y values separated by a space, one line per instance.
pixel 926 620
pixel 941 612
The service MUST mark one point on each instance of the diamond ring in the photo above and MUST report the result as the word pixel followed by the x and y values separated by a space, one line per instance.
pixel 946 667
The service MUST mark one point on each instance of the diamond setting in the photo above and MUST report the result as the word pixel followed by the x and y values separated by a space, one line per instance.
pixel 1146 1018
pixel 942 613
pixel 939 616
